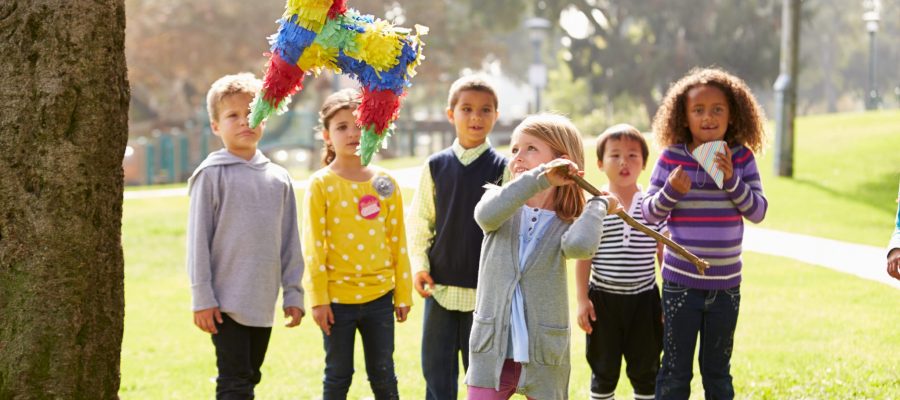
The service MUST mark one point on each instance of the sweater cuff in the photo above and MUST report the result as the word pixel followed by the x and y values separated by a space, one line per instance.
pixel 731 185
pixel 292 298
pixel 203 297
pixel 600 200
pixel 670 196
pixel 319 298
pixel 538 173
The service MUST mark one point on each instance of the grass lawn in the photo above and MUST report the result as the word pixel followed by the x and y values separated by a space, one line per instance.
pixel 803 332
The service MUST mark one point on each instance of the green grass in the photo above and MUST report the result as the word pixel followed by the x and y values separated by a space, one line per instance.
pixel 803 332
pixel 847 168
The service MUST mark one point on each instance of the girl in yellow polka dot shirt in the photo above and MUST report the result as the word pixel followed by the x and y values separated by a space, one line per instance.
pixel 355 248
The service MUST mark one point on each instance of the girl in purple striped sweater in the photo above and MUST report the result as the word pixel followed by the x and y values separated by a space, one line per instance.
pixel 705 106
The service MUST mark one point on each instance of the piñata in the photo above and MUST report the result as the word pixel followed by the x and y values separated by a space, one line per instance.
pixel 318 35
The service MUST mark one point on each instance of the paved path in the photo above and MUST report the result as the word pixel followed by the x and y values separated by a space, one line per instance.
pixel 864 261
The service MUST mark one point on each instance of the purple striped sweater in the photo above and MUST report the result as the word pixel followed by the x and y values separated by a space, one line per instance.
pixel 707 220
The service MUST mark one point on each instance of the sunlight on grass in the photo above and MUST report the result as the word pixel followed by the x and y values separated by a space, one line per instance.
pixel 803 331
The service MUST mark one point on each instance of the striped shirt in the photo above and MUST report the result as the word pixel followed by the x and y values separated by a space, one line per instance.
pixel 707 221
pixel 624 262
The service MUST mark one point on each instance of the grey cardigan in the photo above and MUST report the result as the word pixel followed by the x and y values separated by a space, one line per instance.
pixel 543 283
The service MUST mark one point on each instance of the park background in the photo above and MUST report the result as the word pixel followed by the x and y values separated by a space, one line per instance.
pixel 804 331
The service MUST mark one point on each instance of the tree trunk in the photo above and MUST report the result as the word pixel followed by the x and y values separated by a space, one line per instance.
pixel 651 105
pixel 63 129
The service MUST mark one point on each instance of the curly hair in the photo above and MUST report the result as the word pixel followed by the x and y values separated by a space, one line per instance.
pixel 747 117
pixel 564 139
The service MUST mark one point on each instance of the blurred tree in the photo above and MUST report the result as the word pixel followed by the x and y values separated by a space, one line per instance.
pixel 176 48
pixel 63 127
pixel 637 48
pixel 834 55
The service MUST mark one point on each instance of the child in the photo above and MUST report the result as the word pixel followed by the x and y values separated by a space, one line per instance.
pixel 355 244
pixel 446 241
pixel 242 241
pixel 893 259
pixel 704 106
pixel 622 314
pixel 520 332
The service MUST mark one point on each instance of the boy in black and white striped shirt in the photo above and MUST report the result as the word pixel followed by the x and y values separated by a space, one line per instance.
pixel 618 300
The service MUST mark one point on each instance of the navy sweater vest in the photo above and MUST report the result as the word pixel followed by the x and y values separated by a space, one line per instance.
pixel 455 253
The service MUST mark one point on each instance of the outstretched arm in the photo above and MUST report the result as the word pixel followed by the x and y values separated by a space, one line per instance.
pixel 500 203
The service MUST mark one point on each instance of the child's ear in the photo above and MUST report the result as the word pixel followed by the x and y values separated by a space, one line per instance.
pixel 600 164
pixel 450 114
pixel 214 125
pixel 326 137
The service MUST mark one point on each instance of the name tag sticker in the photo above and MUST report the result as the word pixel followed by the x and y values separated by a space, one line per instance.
pixel 369 206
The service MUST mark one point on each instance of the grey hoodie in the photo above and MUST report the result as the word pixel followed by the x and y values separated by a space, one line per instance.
pixel 243 241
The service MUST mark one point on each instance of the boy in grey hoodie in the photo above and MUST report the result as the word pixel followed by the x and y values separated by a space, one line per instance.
pixel 242 241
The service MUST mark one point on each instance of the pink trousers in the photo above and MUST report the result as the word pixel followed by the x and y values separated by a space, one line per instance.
pixel 509 379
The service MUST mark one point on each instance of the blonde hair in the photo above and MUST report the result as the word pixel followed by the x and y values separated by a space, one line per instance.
pixel 241 83
pixel 475 83
pixel 346 99
pixel 565 140
pixel 747 117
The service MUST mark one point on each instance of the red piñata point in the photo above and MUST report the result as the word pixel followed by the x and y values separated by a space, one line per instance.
pixel 282 80
pixel 380 107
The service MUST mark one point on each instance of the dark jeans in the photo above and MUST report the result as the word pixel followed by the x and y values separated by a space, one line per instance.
pixel 445 335
pixel 628 325
pixel 240 351
pixel 711 313
pixel 375 322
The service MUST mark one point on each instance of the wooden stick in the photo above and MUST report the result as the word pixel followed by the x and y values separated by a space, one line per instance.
pixel 700 263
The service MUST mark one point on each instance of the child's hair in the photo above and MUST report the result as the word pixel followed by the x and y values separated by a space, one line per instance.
pixel 564 139
pixel 241 83
pixel 745 127
pixel 621 132
pixel 470 82
pixel 346 99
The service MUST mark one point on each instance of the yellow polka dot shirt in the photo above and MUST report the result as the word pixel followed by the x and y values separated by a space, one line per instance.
pixel 354 241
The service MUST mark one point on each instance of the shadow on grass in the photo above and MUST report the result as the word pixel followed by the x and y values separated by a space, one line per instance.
pixel 879 192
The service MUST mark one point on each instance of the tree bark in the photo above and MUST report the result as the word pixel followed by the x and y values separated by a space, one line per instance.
pixel 63 129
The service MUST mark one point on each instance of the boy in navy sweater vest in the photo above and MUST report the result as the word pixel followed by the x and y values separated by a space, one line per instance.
pixel 445 241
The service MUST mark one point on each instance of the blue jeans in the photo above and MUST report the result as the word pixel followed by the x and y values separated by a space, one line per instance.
pixel 711 313
pixel 445 335
pixel 375 322
pixel 240 351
